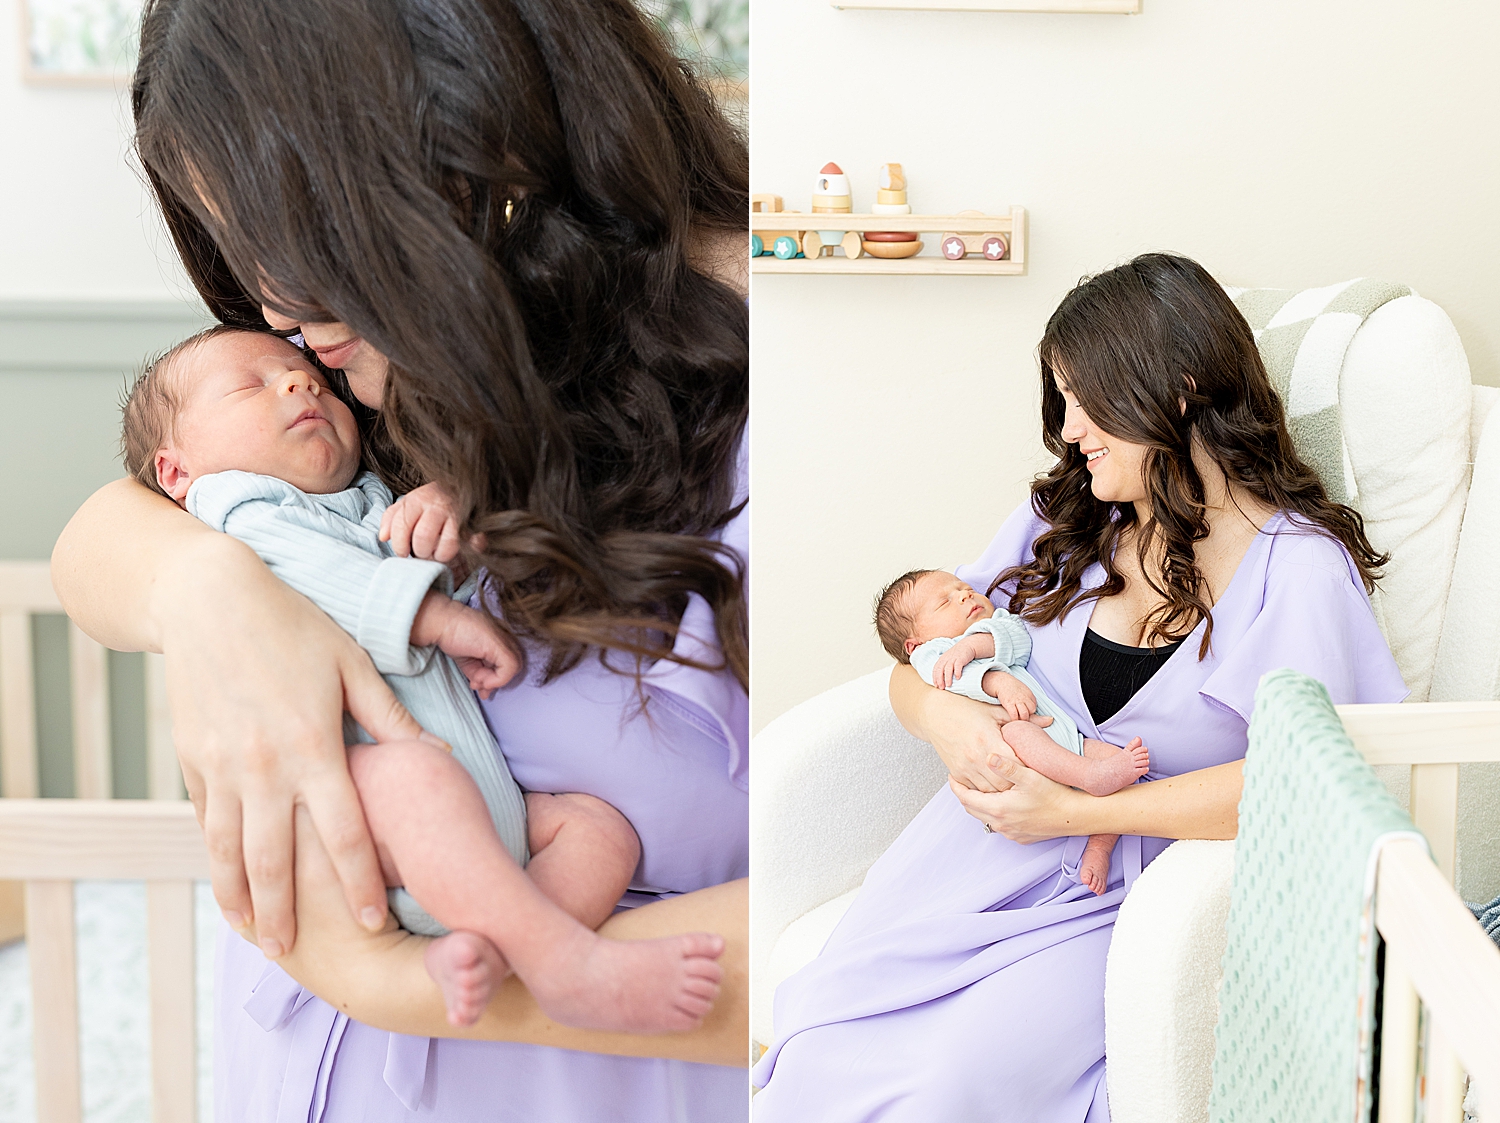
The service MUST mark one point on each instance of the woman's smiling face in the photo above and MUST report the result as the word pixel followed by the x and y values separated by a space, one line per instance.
pixel 1116 466
pixel 340 347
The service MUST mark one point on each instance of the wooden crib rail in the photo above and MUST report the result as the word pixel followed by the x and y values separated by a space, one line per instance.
pixel 1440 1012
pixel 49 844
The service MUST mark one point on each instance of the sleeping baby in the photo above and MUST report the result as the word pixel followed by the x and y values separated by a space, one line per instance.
pixel 957 640
pixel 241 430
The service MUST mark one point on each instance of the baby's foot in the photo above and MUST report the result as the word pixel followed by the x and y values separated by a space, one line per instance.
pixel 1093 870
pixel 1119 770
pixel 637 986
pixel 467 968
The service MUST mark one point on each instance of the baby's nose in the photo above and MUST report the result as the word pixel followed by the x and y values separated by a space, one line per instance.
pixel 300 380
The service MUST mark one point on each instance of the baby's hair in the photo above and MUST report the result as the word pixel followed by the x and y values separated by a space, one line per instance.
pixel 149 412
pixel 894 624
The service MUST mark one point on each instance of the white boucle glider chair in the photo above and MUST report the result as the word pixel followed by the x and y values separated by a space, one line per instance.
pixel 1427 469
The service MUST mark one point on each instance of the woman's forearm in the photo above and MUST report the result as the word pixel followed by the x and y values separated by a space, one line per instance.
pixel 909 695
pixel 123 545
pixel 1201 804
pixel 380 979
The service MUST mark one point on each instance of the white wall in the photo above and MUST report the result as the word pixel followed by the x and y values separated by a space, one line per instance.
pixel 75 221
pixel 1280 142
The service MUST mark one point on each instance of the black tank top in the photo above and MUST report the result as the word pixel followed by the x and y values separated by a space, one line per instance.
pixel 1111 673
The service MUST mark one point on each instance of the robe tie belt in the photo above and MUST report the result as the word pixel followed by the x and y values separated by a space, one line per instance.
pixel 279 1003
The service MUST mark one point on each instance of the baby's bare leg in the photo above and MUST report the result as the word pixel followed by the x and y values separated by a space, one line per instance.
pixel 433 834
pixel 1093 870
pixel 583 853
pixel 1096 772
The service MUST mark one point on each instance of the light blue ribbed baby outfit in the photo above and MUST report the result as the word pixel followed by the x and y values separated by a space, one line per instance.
pixel 328 548
pixel 1012 653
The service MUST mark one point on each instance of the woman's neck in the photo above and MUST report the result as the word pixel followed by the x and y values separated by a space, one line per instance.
pixel 1225 502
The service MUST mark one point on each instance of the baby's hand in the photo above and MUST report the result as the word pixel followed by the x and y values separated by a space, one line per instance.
pixel 484 653
pixel 1012 694
pixel 422 523
pixel 951 663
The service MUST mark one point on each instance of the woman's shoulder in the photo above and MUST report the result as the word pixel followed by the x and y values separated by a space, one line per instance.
pixel 1299 550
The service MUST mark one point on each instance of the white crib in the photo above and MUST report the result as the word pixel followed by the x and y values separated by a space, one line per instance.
pixel 49 844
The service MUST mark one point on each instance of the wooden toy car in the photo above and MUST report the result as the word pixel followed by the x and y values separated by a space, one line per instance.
pixel 956 247
pixel 784 244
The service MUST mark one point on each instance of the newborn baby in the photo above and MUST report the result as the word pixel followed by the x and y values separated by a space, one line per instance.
pixel 242 430
pixel 957 640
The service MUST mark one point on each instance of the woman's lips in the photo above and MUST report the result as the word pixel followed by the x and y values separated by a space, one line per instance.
pixel 335 356
pixel 1095 456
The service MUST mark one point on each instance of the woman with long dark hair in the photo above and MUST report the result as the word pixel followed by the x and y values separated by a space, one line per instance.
pixel 513 230
pixel 1177 550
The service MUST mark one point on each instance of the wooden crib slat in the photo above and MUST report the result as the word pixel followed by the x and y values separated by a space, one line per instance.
pixel 1455 967
pixel 54 1001
pixel 18 767
pixel 174 1053
pixel 164 777
pixel 88 661
pixel 1398 1042
pixel 1434 809
pixel 1443 1081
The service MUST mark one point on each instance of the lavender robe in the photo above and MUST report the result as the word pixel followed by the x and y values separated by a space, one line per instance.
pixel 678 773
pixel 966 982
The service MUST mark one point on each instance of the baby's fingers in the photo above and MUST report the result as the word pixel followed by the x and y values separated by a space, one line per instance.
pixel 385 521
pixel 447 544
pixel 427 533
pixel 401 516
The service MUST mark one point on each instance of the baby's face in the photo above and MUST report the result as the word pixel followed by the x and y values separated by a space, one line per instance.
pixel 942 605
pixel 251 402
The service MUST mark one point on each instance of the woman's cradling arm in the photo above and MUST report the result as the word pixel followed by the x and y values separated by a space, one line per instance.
pixel 966 735
pixel 258 680
pixel 1201 804
pixel 379 978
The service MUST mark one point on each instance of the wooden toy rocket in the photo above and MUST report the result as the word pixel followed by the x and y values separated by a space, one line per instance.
pixel 831 196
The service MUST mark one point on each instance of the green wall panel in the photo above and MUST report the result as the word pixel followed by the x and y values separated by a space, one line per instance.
pixel 63 369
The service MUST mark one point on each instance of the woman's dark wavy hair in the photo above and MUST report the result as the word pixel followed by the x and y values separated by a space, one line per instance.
pixel 1158 355
pixel 501 196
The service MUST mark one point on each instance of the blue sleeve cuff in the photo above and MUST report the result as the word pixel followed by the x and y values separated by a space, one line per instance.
pixel 394 595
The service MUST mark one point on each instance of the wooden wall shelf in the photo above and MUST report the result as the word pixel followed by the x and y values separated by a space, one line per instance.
pixel 930 262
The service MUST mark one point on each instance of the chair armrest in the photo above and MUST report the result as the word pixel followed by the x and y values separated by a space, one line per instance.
pixel 834 781
pixel 1161 985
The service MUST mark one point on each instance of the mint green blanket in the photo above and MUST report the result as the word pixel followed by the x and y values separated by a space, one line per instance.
pixel 1296 1005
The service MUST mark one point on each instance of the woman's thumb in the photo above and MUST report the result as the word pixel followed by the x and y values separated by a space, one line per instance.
pixel 1003 765
pixel 371 703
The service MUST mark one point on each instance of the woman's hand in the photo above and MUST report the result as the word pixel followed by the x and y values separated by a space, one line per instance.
pixel 258 680
pixel 1032 809
pixel 965 733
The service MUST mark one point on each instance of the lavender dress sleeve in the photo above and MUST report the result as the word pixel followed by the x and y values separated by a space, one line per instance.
pixel 1313 617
